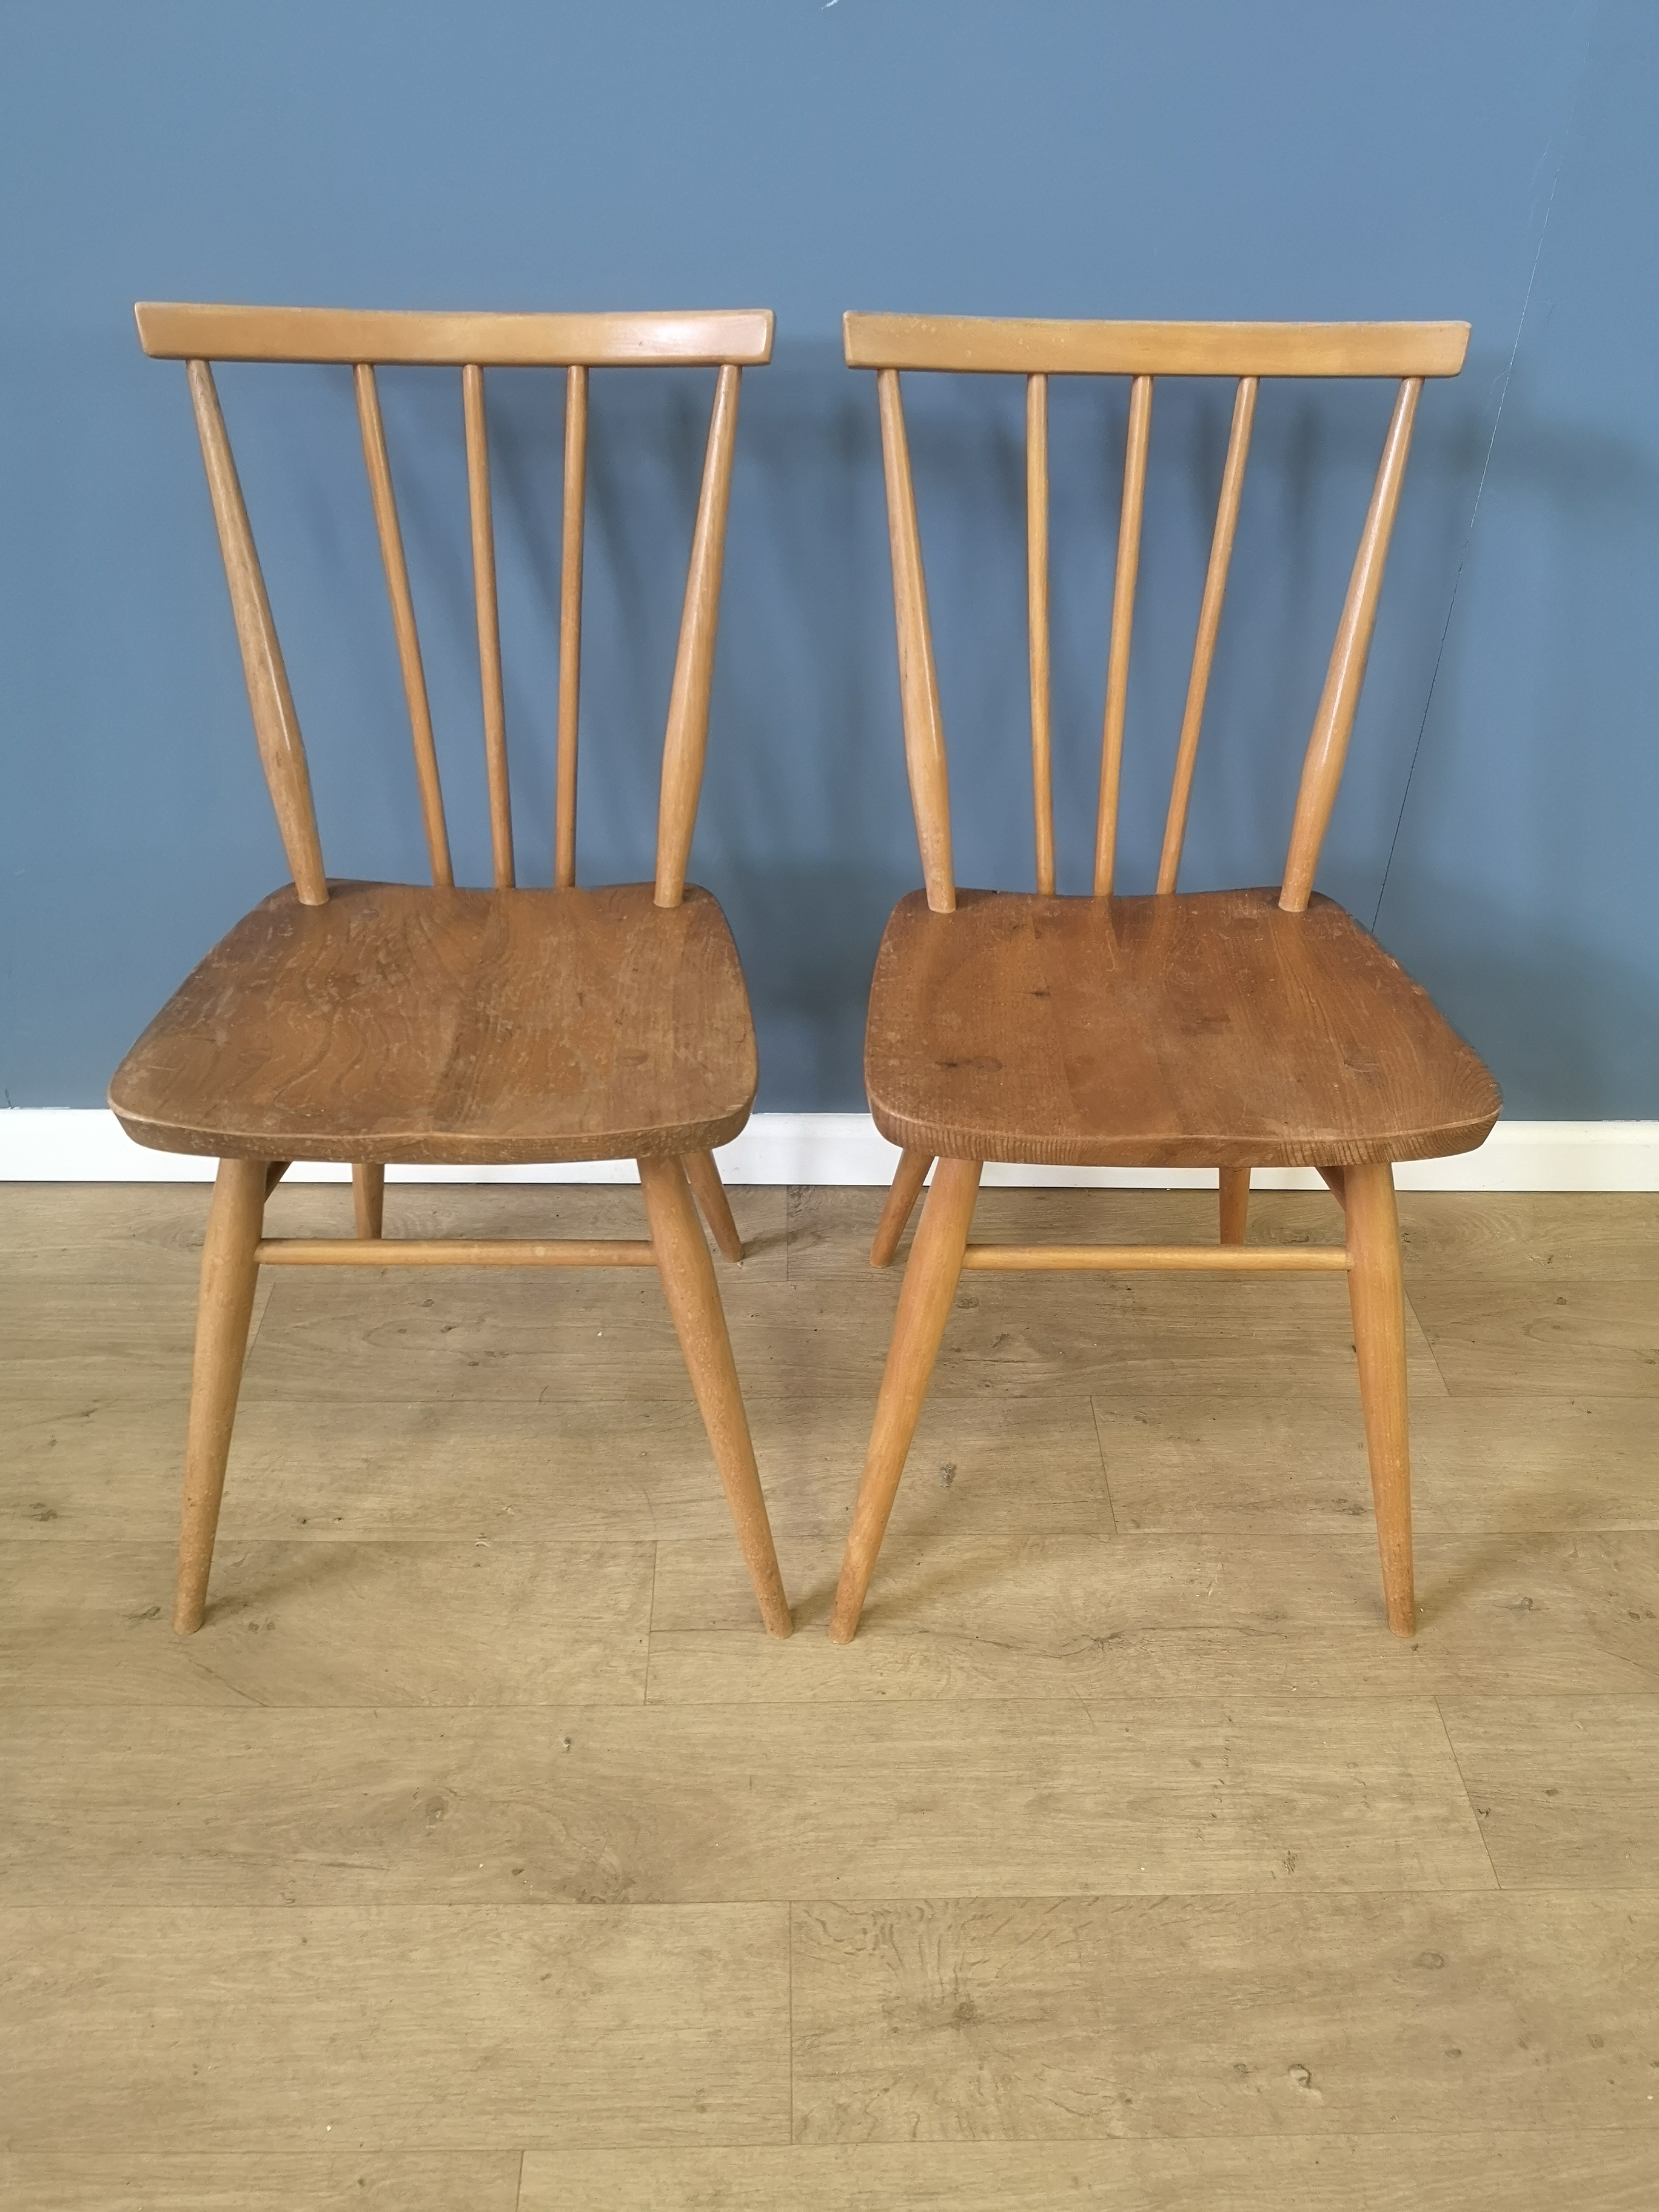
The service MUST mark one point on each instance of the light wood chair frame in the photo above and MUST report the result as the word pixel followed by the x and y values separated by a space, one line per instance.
pixel 235 1246
pixel 1370 1255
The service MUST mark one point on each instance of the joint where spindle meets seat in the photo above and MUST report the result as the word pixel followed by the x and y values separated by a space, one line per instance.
pixel 1228 1029
pixel 376 1023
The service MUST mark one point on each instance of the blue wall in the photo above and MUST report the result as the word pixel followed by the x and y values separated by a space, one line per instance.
pixel 1392 159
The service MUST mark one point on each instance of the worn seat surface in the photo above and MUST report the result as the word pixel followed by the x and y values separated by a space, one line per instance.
pixel 400 1022
pixel 1200 1030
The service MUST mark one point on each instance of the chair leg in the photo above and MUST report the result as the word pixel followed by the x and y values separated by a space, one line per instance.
pixel 229 1271
pixel 930 1284
pixel 1235 1204
pixel 1378 1298
pixel 1335 1180
pixel 369 1197
pixel 710 1192
pixel 900 1204
pixel 694 1300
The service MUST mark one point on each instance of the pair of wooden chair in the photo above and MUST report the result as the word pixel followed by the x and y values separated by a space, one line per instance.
pixel 374 1023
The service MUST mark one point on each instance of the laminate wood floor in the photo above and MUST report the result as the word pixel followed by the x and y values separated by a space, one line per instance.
pixel 481 1851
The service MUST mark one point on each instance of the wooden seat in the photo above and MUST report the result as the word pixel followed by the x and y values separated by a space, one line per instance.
pixel 1198 1030
pixel 376 1023
pixel 1230 1028
pixel 404 1023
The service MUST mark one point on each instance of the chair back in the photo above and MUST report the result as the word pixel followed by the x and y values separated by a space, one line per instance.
pixel 200 335
pixel 1143 352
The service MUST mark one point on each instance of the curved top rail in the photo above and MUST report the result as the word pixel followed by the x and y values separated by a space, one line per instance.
pixel 994 344
pixel 171 330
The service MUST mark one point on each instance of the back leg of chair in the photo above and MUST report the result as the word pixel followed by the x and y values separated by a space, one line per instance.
pixel 1377 1294
pixel 901 1203
pixel 229 1272
pixel 694 1300
pixel 368 1198
pixel 930 1284
pixel 1235 1204
pixel 704 1178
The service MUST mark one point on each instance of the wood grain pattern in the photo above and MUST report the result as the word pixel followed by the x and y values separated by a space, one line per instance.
pixel 1596 2171
pixel 930 1283
pixel 570 627
pixel 693 1298
pixel 1036 617
pixel 1566 1790
pixel 1193 1616
pixel 1563 1339
pixel 400 1022
pixel 379 464
pixel 1479 1462
pixel 924 726
pixel 1328 746
pixel 382 2028
pixel 1198 1029
pixel 1124 1730
pixel 265 2181
pixel 1028 347
pixel 1377 1302
pixel 177 330
pixel 323 1623
pixel 583 1804
pixel 935 2021
pixel 900 1204
pixel 1123 615
pixel 224 1311
pixel 1209 627
pixel 276 725
pixel 489 625
pixel 686 742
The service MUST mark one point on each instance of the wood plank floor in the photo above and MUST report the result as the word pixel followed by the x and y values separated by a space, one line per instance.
pixel 481 1851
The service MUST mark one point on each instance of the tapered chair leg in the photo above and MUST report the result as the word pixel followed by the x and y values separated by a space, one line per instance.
pixel 1235 1204
pixel 229 1272
pixel 368 1198
pixel 704 1178
pixel 900 1204
pixel 694 1300
pixel 1378 1299
pixel 930 1284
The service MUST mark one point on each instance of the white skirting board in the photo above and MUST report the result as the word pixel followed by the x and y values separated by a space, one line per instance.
pixel 75 1145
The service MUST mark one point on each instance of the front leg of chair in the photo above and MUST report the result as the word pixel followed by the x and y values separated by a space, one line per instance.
pixel 900 1204
pixel 229 1272
pixel 930 1284
pixel 1377 1294
pixel 368 1198
pixel 694 1300
pixel 704 1178
pixel 1235 1204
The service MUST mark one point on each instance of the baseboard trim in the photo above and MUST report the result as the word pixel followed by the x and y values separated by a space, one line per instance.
pixel 77 1144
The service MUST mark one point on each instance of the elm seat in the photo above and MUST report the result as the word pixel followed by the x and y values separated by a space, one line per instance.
pixel 1192 1029
pixel 403 1023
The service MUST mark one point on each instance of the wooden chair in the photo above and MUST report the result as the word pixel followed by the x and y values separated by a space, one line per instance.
pixel 1225 1029
pixel 374 1022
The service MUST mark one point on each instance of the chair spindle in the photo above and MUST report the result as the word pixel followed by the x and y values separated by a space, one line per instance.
pixel 276 725
pixel 570 626
pixel 490 633
pixel 1123 616
pixel 379 465
pixel 1037 616
pixel 687 739
pixel 1328 746
pixel 1209 625
pixel 923 727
